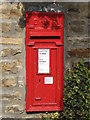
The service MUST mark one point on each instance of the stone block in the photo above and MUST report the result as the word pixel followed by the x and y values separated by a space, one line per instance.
pixel 11 97
pixel 4 14
pixel 12 67
pixel 8 82
pixel 17 95
pixel 20 83
pixel 14 6
pixel 16 10
pixel 11 10
pixel 15 13
pixel 14 108
pixel 77 11
pixel 5 27
pixel 10 41
pixel 18 28
pixel 12 34
pixel 4 6
pixel 77 42
pixel 5 10
pixel 79 52
pixel 77 28
pixel 10 52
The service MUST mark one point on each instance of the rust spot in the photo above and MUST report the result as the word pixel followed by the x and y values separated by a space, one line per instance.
pixel 79 52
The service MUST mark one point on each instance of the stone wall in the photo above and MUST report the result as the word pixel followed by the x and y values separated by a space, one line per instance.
pixel 12 48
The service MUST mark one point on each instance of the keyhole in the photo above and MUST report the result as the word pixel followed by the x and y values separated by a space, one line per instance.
pixel 39 80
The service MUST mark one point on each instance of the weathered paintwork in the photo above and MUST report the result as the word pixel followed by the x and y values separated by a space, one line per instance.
pixel 44 31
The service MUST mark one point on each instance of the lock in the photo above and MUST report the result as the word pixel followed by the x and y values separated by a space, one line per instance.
pixel 39 80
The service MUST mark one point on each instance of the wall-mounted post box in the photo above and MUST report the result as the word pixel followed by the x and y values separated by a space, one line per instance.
pixel 44 61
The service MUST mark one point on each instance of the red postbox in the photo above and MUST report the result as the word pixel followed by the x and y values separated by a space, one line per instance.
pixel 44 61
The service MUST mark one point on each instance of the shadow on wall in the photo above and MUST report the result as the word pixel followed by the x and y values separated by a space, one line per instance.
pixel 39 7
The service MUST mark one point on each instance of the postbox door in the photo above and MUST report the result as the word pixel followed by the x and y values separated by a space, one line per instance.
pixel 44 85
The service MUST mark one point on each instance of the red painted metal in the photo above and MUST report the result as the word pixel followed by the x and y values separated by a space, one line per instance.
pixel 44 31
